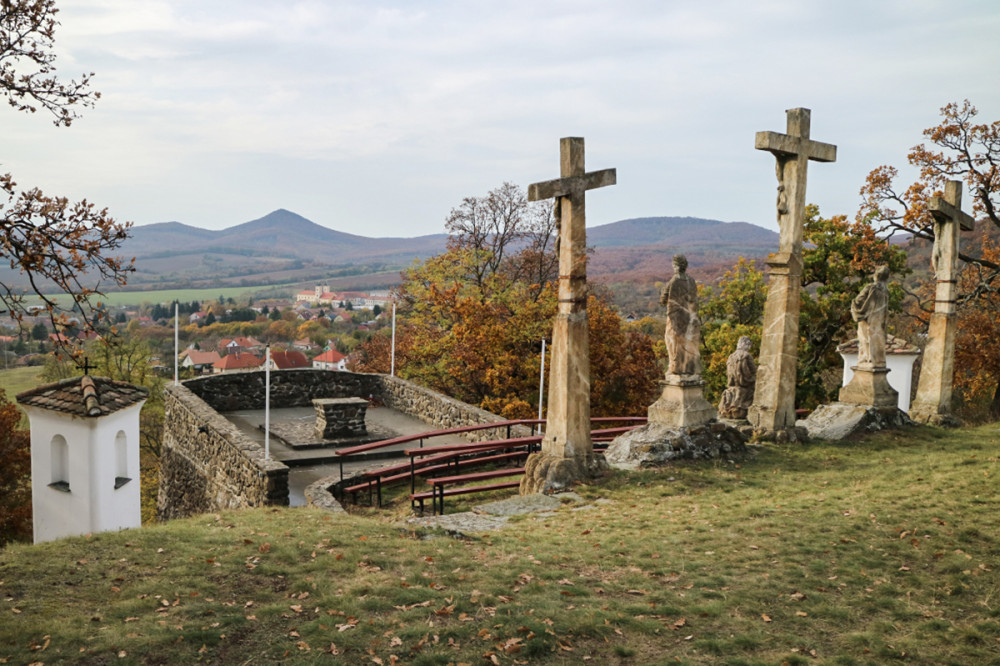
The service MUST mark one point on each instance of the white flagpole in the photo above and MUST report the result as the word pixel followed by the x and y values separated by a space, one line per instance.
pixel 392 363
pixel 267 404
pixel 177 323
pixel 541 386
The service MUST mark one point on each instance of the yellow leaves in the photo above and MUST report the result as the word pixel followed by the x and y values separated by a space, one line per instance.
pixel 765 617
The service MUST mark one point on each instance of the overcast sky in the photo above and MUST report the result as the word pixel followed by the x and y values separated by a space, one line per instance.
pixel 376 117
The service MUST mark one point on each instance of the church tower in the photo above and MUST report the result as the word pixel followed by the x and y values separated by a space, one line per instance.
pixel 84 456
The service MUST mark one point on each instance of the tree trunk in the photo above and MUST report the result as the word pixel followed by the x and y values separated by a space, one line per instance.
pixel 995 405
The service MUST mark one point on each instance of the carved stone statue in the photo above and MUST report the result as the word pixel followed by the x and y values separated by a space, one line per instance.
pixel 869 309
pixel 741 379
pixel 683 333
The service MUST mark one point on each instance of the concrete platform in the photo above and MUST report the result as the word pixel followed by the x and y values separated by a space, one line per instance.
pixel 312 464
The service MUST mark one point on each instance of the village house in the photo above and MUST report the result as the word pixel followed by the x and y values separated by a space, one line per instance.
pixel 331 359
pixel 238 362
pixel 286 360
pixel 239 344
pixel 200 361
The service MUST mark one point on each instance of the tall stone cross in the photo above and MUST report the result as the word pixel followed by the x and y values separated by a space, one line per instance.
pixel 932 403
pixel 774 399
pixel 567 453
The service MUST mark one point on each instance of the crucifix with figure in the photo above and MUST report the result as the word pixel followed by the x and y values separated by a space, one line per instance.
pixel 773 406
pixel 567 453
pixel 932 403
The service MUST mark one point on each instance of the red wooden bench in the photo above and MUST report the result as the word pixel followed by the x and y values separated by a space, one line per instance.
pixel 437 493
pixel 376 479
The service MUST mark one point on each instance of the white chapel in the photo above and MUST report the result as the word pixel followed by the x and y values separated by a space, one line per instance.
pixel 84 456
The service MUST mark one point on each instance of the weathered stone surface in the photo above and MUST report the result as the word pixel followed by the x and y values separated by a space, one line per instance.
pixel 741 378
pixel 340 417
pixel 567 449
pixel 544 473
pixel 774 402
pixel 773 405
pixel 682 334
pixel 870 387
pixel 682 403
pixel 840 420
pixel 657 444
pixel 207 464
pixel 932 403
pixel 318 495
pixel 870 309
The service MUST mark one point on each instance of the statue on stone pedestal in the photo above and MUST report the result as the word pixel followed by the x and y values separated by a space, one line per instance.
pixel 869 309
pixel 683 332
pixel 741 379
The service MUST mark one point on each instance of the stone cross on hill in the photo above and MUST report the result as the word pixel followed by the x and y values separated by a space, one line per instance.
pixel 937 371
pixel 774 401
pixel 793 152
pixel 567 453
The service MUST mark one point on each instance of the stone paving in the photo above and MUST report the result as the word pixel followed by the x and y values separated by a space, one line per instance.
pixel 494 515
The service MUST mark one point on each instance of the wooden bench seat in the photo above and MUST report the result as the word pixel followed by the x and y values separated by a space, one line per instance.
pixel 377 478
pixel 438 492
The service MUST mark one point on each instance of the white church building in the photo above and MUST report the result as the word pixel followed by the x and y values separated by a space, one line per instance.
pixel 84 456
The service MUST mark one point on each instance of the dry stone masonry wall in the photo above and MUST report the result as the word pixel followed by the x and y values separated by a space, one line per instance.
pixel 207 464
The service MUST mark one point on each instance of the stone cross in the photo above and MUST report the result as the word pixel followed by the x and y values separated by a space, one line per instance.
pixel 774 400
pixel 567 453
pixel 932 403
pixel 793 152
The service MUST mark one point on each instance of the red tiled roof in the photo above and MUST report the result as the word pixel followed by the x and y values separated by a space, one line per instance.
pixel 84 396
pixel 330 356
pixel 202 357
pixel 283 360
pixel 237 362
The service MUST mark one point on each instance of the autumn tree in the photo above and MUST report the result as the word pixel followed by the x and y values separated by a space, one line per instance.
pixel 472 319
pixel 731 308
pixel 977 354
pixel 15 475
pixel 502 232
pixel 839 257
pixel 56 245
pixel 960 149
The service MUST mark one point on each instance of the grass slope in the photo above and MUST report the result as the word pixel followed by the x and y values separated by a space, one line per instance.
pixel 847 553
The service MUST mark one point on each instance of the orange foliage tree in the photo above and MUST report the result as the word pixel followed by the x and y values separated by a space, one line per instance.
pixel 472 319
pixel 961 150
pixel 977 351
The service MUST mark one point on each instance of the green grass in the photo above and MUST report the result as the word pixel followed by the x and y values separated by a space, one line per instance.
pixel 847 553
pixel 126 298
pixel 16 380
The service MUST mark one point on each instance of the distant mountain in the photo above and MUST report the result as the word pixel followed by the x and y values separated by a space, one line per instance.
pixel 682 232
pixel 281 234
pixel 284 247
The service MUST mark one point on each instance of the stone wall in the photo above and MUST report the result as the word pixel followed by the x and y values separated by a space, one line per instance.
pixel 289 388
pixel 207 464
pixel 441 411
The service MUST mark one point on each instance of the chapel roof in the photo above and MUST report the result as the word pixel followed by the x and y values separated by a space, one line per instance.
pixel 84 396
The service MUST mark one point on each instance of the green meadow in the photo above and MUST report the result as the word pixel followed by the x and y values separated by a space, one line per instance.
pixel 864 552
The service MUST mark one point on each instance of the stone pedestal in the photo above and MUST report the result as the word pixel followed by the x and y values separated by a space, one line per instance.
pixel 340 417
pixel 774 399
pixel 870 387
pixel 932 403
pixel 682 403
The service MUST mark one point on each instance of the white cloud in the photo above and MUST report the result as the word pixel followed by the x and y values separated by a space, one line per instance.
pixel 213 111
